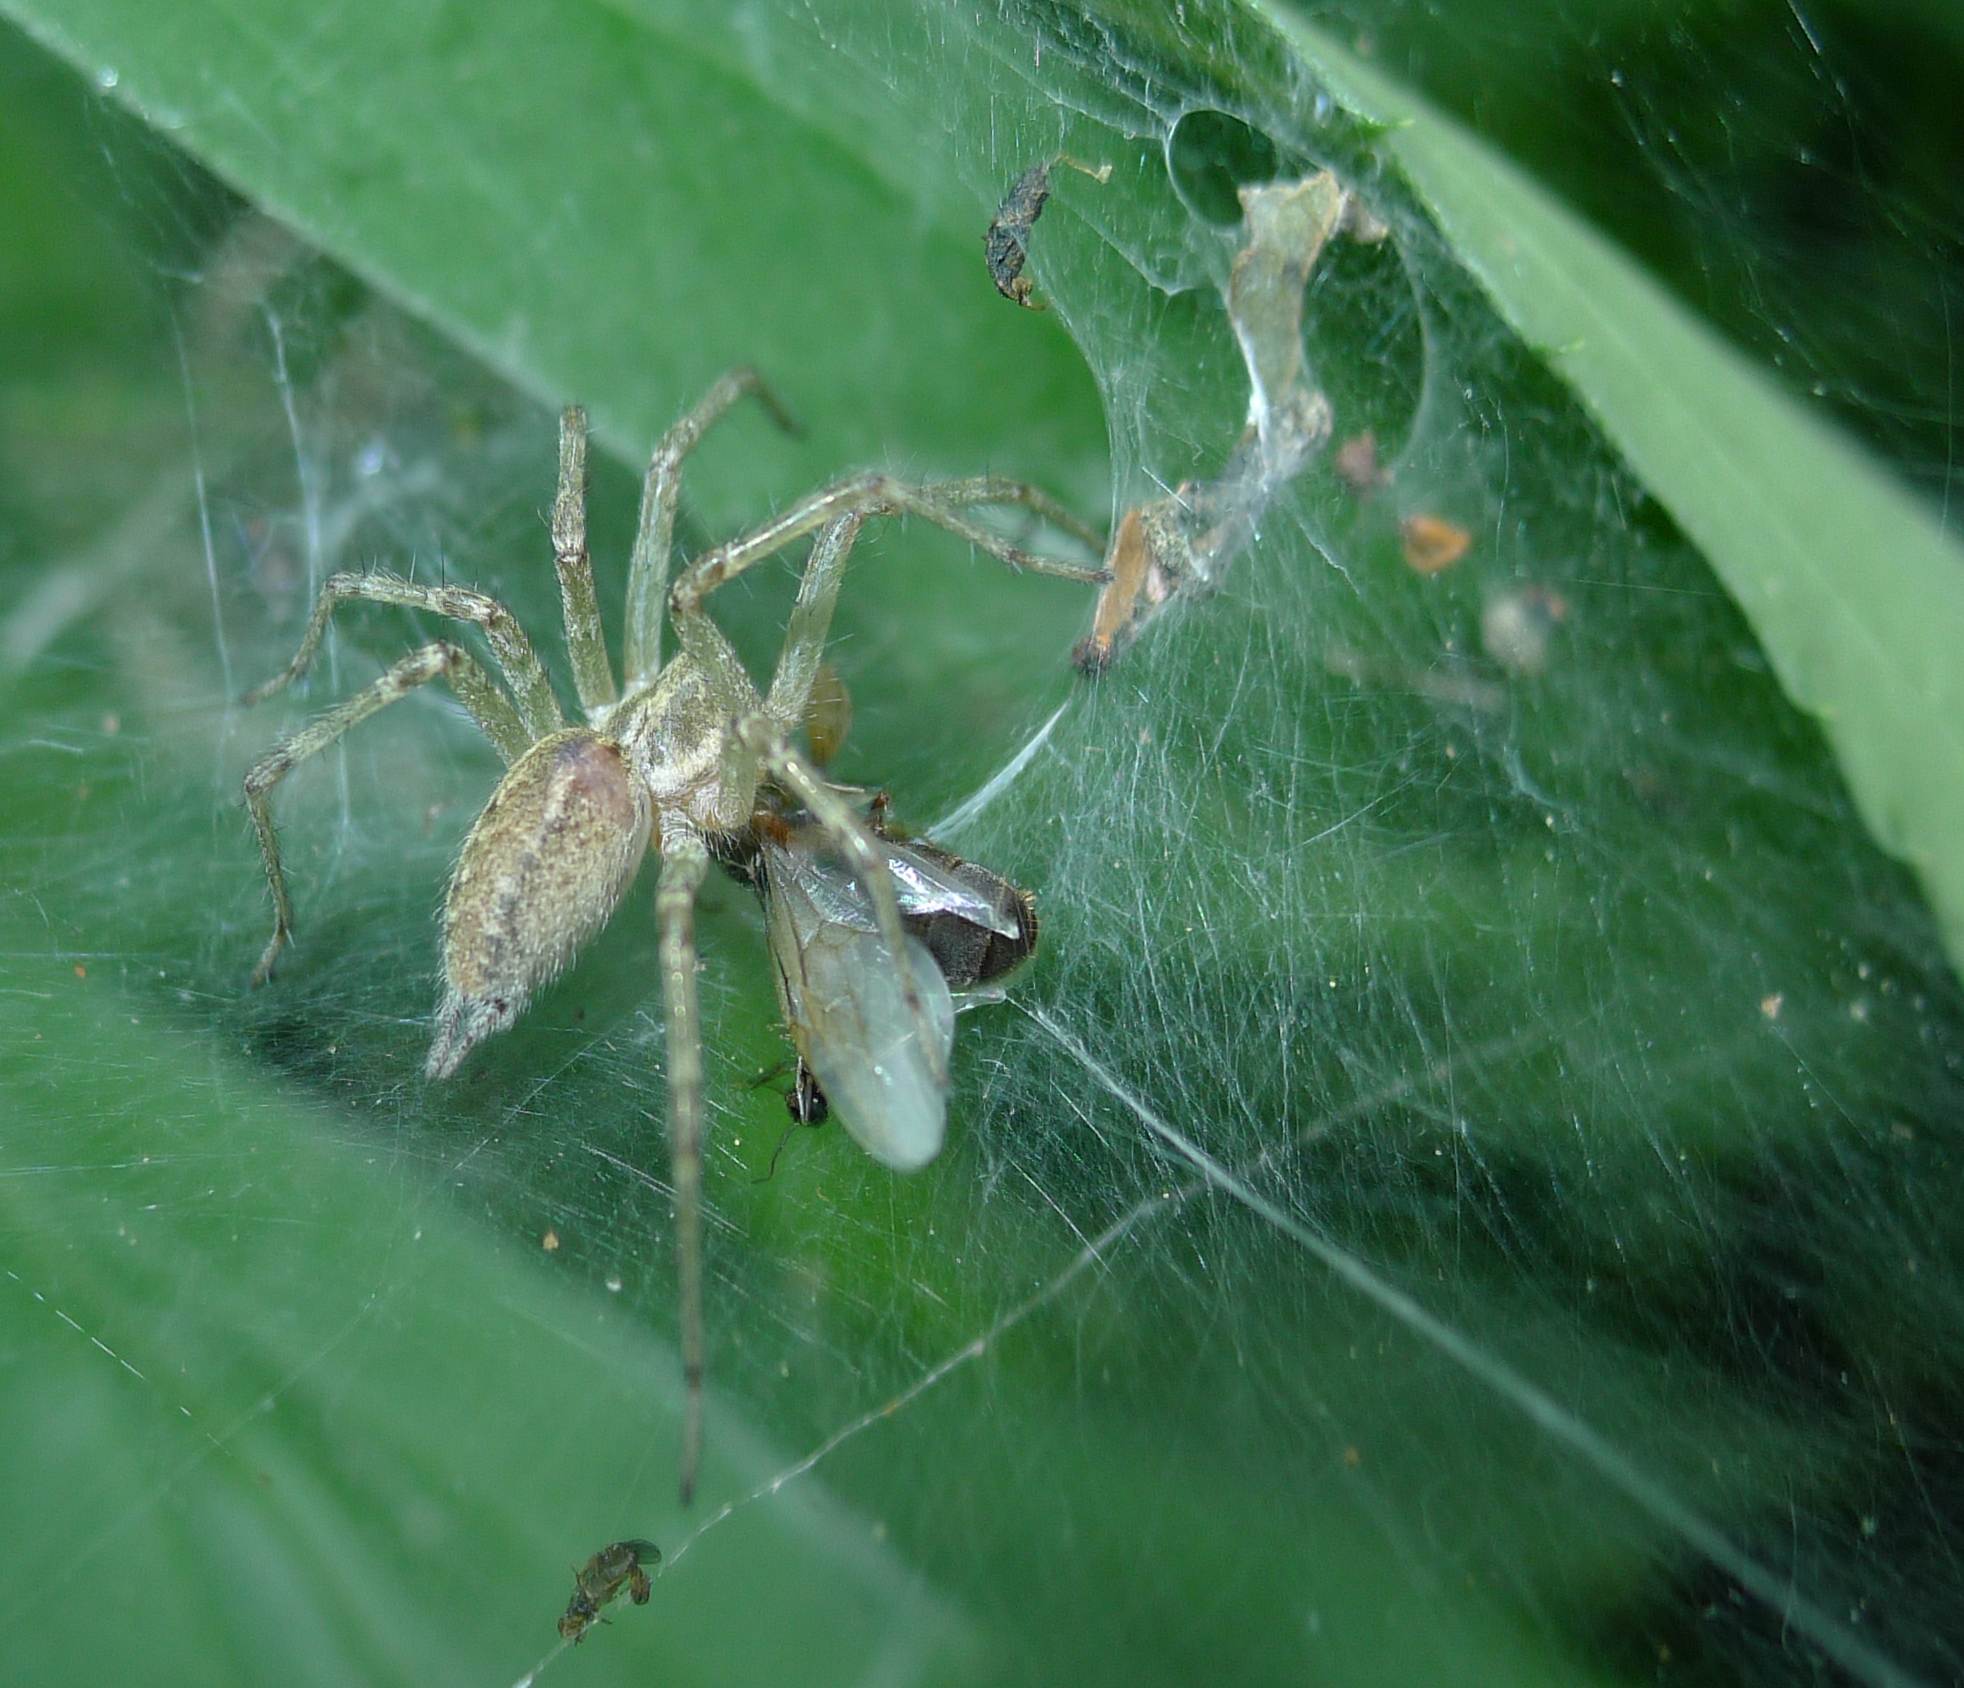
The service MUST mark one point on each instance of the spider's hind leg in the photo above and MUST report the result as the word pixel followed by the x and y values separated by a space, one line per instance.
pixel 487 705
pixel 510 649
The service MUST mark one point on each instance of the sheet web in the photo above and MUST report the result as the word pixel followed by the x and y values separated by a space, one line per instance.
pixel 1455 1185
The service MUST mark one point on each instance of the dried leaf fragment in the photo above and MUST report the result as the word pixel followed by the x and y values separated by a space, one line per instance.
pixel 1134 570
pixel 1188 540
pixel 1432 544
pixel 1289 224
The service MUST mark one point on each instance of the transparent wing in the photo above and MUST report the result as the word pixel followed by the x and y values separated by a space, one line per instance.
pixel 922 884
pixel 847 1010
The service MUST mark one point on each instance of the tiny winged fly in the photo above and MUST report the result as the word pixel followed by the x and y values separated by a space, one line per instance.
pixel 859 1050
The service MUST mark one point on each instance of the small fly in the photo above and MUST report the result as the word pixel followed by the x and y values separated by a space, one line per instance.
pixel 616 1566
pixel 844 1004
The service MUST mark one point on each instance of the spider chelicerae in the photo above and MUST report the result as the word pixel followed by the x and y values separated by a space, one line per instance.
pixel 674 761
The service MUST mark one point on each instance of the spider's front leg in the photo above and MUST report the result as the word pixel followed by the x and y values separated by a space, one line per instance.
pixel 543 870
pixel 943 503
pixel 648 564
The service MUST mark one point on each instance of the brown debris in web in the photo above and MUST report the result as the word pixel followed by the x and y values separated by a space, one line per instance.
pixel 1188 540
pixel 1432 544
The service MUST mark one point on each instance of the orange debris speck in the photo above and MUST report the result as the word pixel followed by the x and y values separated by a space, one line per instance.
pixel 1432 543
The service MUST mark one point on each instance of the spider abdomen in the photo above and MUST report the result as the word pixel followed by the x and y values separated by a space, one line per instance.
pixel 542 871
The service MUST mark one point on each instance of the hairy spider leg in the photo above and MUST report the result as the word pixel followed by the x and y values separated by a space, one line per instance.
pixel 684 863
pixel 684 857
pixel 766 735
pixel 516 659
pixel 769 738
pixel 875 494
pixel 842 509
pixel 654 536
pixel 488 707
pixel 586 639
pixel 810 624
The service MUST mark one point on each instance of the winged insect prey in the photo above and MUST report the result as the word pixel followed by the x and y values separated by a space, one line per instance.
pixel 1006 244
pixel 619 1565
pixel 967 928
pixel 975 952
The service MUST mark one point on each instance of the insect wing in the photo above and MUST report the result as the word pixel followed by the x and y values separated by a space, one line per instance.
pixel 848 1011
pixel 922 885
pixel 926 885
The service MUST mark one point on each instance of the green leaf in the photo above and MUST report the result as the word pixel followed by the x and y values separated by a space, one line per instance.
pixel 1451 1199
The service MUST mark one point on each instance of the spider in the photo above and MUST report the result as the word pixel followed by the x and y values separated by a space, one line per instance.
pixel 673 761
